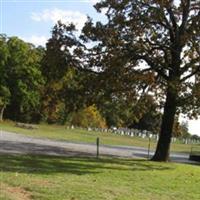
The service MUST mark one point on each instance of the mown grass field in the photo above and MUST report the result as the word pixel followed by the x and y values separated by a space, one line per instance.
pixel 59 178
pixel 79 135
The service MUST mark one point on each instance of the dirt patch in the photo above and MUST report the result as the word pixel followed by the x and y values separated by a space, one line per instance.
pixel 15 193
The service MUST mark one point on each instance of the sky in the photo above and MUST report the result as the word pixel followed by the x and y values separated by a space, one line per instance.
pixel 32 21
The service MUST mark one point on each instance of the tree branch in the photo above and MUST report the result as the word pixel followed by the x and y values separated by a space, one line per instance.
pixel 191 74
pixel 152 65
pixel 185 15
pixel 172 17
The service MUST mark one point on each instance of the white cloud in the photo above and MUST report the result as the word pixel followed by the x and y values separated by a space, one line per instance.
pixel 36 40
pixel 194 127
pixel 66 16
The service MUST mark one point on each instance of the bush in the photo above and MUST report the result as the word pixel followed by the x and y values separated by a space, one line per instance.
pixel 89 117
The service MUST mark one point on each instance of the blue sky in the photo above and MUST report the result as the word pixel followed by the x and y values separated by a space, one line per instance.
pixel 32 20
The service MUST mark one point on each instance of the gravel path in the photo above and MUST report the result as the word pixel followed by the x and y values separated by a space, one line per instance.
pixel 12 143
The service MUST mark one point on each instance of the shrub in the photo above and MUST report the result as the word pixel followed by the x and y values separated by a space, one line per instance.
pixel 89 117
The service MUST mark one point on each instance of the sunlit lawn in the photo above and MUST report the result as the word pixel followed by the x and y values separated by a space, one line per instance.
pixel 58 178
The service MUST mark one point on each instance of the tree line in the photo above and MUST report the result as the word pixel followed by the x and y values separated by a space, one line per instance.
pixel 39 84
pixel 140 67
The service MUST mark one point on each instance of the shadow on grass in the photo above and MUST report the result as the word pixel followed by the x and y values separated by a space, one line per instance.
pixel 73 165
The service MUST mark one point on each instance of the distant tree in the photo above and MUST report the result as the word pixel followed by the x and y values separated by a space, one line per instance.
pixel 116 107
pixel 195 137
pixel 4 100
pixel 66 85
pixel 59 74
pixel 124 111
pixel 114 112
pixel 24 80
pixel 149 115
pixel 4 90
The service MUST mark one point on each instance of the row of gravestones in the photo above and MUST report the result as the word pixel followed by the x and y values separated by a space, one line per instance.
pixel 144 134
pixel 185 140
pixel 138 133
pixel 127 132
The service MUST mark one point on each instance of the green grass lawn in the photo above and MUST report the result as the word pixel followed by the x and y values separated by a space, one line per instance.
pixel 79 135
pixel 59 178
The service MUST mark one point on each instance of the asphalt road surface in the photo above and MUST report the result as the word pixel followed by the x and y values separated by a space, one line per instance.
pixel 12 143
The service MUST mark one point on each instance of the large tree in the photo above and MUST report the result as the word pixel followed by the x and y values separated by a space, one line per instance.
pixel 146 46
pixel 165 36
pixel 155 40
pixel 163 39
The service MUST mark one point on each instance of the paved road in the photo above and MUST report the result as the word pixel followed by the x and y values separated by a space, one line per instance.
pixel 12 143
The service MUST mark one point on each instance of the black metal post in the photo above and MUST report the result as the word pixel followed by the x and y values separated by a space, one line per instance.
pixel 97 147
pixel 148 156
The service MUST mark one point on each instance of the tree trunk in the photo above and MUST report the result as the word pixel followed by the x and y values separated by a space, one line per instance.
pixel 163 145
pixel 1 113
